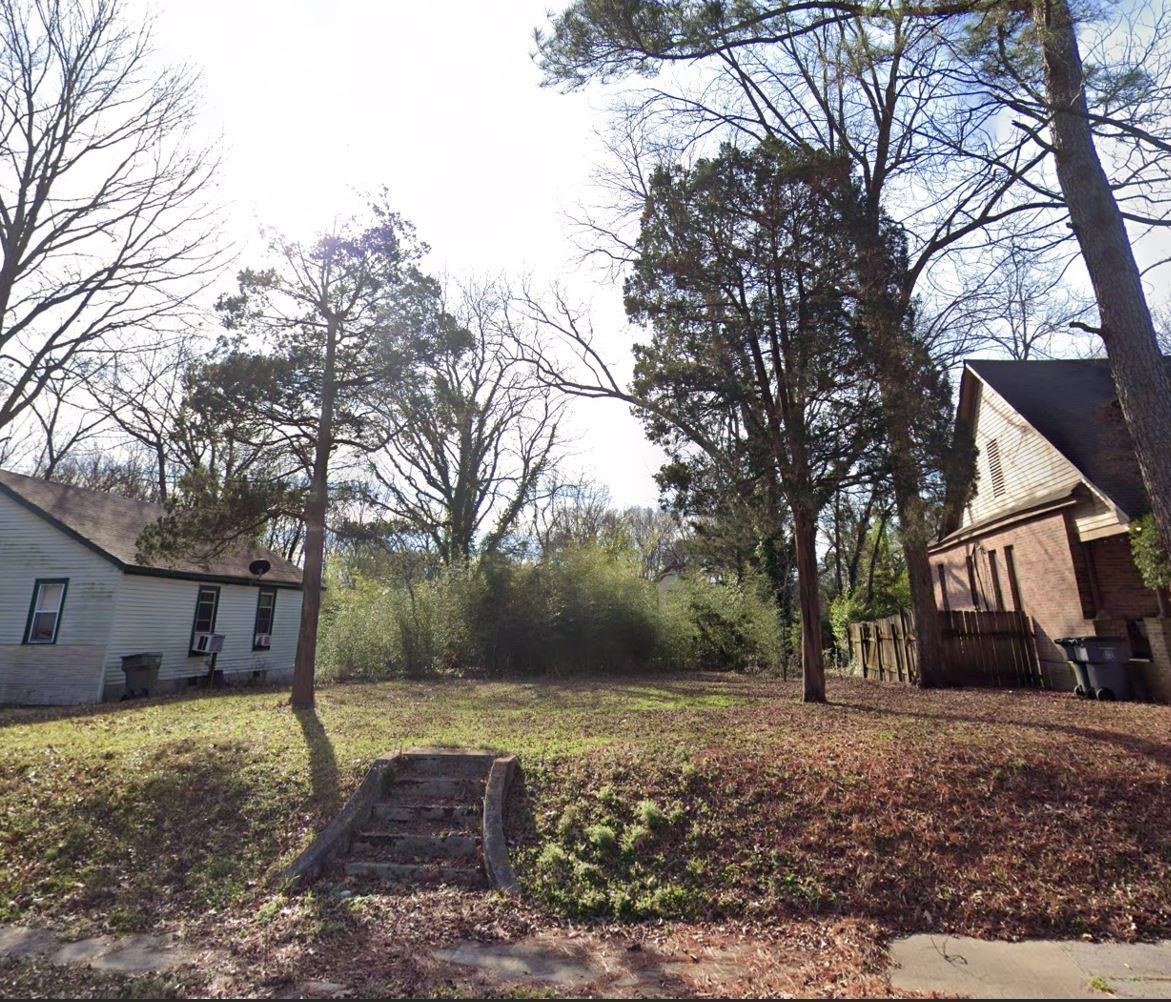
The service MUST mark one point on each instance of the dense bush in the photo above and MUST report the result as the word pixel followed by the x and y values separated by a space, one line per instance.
pixel 1149 555
pixel 882 587
pixel 584 609
pixel 725 626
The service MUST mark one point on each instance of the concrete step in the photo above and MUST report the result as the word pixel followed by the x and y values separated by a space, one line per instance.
pixel 464 792
pixel 393 846
pixel 455 816
pixel 416 873
pixel 440 766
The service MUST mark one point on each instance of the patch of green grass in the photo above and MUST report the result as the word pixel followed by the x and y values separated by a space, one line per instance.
pixel 991 813
pixel 119 815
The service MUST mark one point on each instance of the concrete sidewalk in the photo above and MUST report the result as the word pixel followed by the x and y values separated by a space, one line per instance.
pixel 1033 969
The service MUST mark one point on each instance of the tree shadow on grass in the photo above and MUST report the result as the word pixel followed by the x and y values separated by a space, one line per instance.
pixel 323 771
pixel 1132 743
pixel 12 715
pixel 129 841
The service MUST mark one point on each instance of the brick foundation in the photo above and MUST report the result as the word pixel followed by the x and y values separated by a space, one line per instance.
pixel 1156 673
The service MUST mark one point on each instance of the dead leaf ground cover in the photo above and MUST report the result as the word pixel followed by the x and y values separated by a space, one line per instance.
pixel 662 803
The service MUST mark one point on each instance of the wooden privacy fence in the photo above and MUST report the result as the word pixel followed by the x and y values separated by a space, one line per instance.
pixel 979 648
pixel 885 648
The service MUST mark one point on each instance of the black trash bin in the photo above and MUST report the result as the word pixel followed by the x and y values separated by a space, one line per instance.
pixel 142 673
pixel 1099 665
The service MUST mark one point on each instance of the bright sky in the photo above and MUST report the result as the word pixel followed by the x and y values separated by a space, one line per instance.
pixel 442 104
pixel 316 100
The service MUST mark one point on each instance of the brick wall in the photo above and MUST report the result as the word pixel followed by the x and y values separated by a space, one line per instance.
pixel 1056 588
pixel 1050 583
pixel 1121 592
pixel 1156 673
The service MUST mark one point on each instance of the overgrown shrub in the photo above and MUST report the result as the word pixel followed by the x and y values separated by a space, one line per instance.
pixel 1149 555
pixel 854 607
pixel 724 625
pixel 373 629
pixel 583 610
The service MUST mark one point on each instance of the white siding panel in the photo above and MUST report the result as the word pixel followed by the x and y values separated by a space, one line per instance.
pixel 68 671
pixel 1033 469
pixel 1094 517
pixel 156 613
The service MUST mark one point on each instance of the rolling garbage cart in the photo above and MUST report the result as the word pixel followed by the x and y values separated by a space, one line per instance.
pixel 142 673
pixel 1099 666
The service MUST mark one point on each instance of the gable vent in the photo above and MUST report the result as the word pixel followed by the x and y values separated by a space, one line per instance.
pixel 995 468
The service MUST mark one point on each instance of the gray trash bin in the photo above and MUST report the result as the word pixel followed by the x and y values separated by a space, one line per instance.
pixel 142 673
pixel 1100 666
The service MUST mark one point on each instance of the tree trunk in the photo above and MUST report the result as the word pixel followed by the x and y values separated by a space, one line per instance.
pixel 915 536
pixel 889 347
pixel 1140 376
pixel 315 509
pixel 161 469
pixel 812 665
pixel 839 579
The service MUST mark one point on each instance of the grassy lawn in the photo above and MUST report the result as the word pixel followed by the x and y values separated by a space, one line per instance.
pixel 652 803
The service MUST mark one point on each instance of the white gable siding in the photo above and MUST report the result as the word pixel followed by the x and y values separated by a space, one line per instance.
pixel 1093 517
pixel 70 670
pixel 155 614
pixel 1033 469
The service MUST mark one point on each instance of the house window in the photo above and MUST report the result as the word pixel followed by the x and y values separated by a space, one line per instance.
pixel 1014 585
pixel 994 568
pixel 265 610
pixel 943 587
pixel 44 614
pixel 1140 641
pixel 995 468
pixel 206 606
pixel 972 583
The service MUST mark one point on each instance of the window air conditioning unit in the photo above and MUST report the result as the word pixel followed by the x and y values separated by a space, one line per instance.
pixel 208 643
pixel 262 640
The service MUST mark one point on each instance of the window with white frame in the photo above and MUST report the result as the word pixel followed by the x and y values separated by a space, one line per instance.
pixel 44 615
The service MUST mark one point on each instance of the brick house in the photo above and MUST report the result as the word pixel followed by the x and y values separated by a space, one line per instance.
pixel 1043 527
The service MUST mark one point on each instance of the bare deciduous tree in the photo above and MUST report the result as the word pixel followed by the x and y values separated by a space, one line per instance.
pixel 104 223
pixel 63 424
pixel 129 473
pixel 472 446
pixel 141 394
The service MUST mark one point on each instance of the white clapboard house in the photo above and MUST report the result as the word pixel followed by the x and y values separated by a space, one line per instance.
pixel 75 599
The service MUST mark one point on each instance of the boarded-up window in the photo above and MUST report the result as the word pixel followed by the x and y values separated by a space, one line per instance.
pixel 994 568
pixel 995 468
pixel 1014 583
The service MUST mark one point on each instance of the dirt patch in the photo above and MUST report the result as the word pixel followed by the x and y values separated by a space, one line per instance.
pixel 137 953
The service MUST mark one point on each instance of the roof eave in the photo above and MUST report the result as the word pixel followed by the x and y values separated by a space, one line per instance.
pixel 1093 488
pixel 162 572
pixel 166 572
pixel 72 533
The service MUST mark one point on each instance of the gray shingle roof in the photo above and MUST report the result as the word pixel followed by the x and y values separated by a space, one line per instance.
pixel 111 525
pixel 1072 403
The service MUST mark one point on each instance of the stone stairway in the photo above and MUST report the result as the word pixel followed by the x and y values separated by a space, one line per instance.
pixel 426 826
